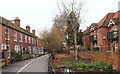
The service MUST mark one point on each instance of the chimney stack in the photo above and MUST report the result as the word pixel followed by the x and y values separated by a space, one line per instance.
pixel 28 28
pixel 33 32
pixel 17 21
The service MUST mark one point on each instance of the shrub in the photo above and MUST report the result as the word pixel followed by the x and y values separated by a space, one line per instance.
pixel 19 52
pixel 14 52
pixel 101 65
pixel 96 65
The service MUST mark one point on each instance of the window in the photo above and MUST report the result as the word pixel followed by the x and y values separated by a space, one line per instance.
pixel 29 49
pixel 25 38
pixel 32 41
pixel 20 37
pixel 17 48
pixel 115 45
pixel 29 40
pixel 95 45
pixel 98 31
pixel 114 28
pixel 6 34
pixel 15 36
pixel 115 34
pixel 5 47
pixel 35 41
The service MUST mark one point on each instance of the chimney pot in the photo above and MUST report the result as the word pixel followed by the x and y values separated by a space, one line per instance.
pixel 17 21
pixel 28 28
pixel 33 31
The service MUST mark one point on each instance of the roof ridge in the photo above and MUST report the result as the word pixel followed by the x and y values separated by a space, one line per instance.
pixel 106 18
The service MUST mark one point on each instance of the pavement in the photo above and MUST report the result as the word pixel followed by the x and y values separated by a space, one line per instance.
pixel 39 64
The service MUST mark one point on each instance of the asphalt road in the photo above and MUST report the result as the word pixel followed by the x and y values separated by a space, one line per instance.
pixel 39 64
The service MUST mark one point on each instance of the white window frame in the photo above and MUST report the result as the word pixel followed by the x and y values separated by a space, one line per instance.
pixel 17 48
pixel 5 47
pixel 32 41
pixel 29 40
pixel 115 45
pixel 7 33
pixel 25 38
pixel 20 37
pixel 114 28
pixel 15 36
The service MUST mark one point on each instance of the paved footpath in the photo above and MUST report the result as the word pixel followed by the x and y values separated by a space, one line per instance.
pixel 39 64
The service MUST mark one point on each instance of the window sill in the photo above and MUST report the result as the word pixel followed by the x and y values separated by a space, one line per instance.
pixel 20 41
pixel 7 39
pixel 15 40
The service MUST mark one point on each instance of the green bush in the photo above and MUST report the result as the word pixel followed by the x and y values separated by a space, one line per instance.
pixel 96 65
pixel 24 52
pixel 14 52
pixel 101 65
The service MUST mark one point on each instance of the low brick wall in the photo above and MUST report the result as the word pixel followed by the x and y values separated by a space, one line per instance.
pixel 26 56
pixel 112 57
pixel 2 63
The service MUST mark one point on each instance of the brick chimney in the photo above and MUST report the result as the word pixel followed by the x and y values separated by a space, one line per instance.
pixel 28 28
pixel 17 21
pixel 33 32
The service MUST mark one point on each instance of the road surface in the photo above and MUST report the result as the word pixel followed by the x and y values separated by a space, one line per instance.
pixel 39 64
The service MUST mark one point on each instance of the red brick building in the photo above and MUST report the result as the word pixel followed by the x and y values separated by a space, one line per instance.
pixel 103 39
pixel 93 36
pixel 97 36
pixel 113 33
pixel 15 38
pixel 86 39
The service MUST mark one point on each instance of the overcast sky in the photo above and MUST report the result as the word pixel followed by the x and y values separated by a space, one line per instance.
pixel 39 14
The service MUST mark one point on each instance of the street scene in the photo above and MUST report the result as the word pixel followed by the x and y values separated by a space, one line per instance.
pixel 60 37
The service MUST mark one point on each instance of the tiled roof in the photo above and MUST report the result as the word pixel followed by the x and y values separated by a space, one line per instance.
pixel 115 20
pixel 85 32
pixel 88 30
pixel 105 20
pixel 117 14
pixel 14 26
pixel 94 26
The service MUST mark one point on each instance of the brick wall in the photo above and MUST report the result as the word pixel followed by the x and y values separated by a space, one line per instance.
pixel 86 41
pixel 100 39
pixel 113 57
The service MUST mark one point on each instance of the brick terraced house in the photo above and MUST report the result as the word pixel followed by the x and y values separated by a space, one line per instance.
pixel 102 40
pixel 97 34
pixel 15 38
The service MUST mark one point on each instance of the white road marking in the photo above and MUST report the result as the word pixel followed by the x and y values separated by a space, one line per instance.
pixel 27 65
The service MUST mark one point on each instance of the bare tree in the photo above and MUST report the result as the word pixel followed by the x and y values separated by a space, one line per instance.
pixel 73 11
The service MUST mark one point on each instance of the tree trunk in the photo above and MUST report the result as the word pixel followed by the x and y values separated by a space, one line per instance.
pixel 75 39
